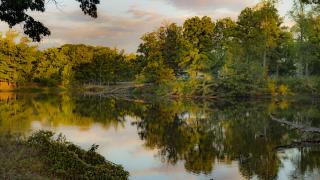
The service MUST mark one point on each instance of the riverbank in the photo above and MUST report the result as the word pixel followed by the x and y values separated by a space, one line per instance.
pixel 274 89
pixel 41 156
pixel 285 87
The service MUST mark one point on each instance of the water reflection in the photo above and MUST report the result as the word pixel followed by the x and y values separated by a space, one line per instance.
pixel 177 139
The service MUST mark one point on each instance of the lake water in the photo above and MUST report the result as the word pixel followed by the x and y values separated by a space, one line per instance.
pixel 167 139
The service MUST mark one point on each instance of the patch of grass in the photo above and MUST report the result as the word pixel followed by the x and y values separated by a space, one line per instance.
pixel 20 161
pixel 41 156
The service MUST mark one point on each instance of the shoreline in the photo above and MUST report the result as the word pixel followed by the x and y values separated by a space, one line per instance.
pixel 132 90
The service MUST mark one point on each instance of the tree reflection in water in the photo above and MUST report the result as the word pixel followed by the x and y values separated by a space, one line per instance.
pixel 200 134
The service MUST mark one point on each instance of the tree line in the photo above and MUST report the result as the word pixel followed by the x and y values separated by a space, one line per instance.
pixel 22 63
pixel 242 57
pixel 252 55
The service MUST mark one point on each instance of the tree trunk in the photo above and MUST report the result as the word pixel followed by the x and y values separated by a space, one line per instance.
pixel 265 63
pixel 264 59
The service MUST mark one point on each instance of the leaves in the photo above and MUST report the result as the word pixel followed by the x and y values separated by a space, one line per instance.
pixel 15 12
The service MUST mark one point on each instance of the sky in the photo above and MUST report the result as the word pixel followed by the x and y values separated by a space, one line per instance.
pixel 121 23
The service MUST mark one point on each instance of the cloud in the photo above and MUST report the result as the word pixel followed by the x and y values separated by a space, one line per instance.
pixel 121 23
pixel 122 32
pixel 211 4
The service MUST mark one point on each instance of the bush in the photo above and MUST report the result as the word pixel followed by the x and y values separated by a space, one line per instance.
pixel 278 88
pixel 68 161
pixel 240 80
pixel 303 85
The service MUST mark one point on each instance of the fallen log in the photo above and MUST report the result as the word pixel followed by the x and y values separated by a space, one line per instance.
pixel 301 127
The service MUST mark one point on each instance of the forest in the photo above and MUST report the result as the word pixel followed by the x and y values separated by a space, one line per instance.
pixel 254 55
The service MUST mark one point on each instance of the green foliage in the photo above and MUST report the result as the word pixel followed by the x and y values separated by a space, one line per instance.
pixel 17 58
pixel 68 161
pixel 66 66
pixel 228 58
pixel 241 80
pixel 310 85
pixel 202 57
pixel 19 161
pixel 259 31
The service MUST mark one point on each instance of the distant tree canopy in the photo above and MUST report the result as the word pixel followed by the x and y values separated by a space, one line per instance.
pixel 14 12
pixel 238 58
pixel 22 63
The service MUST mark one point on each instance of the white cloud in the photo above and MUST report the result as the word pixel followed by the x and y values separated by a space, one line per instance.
pixel 235 5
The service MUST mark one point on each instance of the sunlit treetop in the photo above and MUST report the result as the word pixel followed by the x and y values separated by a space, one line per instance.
pixel 14 12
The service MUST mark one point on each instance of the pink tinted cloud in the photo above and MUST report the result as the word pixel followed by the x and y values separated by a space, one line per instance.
pixel 210 4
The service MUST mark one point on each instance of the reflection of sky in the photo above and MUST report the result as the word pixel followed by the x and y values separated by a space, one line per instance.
pixel 288 170
pixel 123 146
pixel 122 22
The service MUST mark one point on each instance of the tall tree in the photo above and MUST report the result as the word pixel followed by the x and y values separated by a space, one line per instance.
pixel 260 29
pixel 306 30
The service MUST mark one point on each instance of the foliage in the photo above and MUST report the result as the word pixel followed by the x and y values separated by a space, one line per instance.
pixel 16 58
pixel 69 65
pixel 301 85
pixel 15 12
pixel 200 58
pixel 19 161
pixel 241 80
pixel 42 157
pixel 233 58
pixel 68 161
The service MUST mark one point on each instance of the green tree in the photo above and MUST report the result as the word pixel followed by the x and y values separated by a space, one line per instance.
pixel 198 59
pixel 17 58
pixel 260 29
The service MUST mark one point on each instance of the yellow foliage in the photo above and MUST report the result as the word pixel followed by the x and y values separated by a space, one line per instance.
pixel 283 90
pixel 275 90
pixel 272 88
pixel 284 104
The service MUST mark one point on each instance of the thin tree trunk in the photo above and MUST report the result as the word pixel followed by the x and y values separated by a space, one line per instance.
pixel 307 69
pixel 265 59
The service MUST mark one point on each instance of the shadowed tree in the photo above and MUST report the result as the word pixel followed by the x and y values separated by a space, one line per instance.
pixel 14 12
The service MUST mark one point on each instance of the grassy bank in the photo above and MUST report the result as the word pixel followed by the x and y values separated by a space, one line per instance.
pixel 41 156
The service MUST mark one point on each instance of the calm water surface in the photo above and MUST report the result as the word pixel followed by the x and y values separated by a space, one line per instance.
pixel 162 139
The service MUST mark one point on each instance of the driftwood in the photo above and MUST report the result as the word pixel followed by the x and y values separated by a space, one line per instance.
pixel 300 144
pixel 301 127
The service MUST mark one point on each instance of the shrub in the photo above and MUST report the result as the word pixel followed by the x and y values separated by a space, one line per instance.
pixel 283 90
pixel 68 161
pixel 302 85
pixel 241 80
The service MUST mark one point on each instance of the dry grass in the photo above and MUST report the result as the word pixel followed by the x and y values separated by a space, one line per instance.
pixel 19 161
